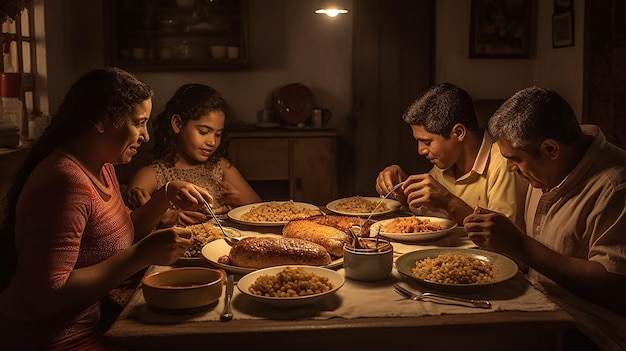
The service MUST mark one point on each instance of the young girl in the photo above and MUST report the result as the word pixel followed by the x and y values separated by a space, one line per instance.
pixel 189 146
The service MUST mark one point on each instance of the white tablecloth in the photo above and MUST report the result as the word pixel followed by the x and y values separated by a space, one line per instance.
pixel 363 299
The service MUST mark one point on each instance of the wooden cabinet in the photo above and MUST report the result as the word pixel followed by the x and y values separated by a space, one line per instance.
pixel 283 165
pixel 176 35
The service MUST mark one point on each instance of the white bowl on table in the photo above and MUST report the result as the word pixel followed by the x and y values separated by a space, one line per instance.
pixel 336 279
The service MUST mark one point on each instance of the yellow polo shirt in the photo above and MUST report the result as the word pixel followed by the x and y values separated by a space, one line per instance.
pixel 490 181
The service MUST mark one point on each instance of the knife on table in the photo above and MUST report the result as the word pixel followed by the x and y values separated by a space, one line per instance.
pixel 227 314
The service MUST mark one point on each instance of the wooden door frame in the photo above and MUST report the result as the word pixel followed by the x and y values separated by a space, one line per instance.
pixel 393 62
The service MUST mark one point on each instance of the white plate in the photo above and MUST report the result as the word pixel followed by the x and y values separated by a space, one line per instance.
pixel 218 248
pixel 336 279
pixel 236 213
pixel 504 267
pixel 447 225
pixel 393 205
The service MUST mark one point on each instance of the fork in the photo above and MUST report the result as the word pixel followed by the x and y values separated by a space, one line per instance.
pixel 229 238
pixel 382 199
pixel 442 299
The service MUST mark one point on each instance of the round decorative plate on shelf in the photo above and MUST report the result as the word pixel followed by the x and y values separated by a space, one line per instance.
pixel 294 103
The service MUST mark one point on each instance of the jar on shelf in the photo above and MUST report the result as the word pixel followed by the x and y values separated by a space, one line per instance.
pixel 37 122
pixel 182 50
pixel 11 110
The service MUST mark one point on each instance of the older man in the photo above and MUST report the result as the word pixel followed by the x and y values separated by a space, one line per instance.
pixel 575 240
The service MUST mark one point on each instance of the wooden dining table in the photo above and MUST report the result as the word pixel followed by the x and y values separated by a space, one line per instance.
pixel 522 318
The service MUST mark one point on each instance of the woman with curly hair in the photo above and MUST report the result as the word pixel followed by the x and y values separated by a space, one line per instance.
pixel 68 238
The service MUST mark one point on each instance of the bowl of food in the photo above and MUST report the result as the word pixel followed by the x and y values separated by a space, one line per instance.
pixel 290 286
pixel 186 289
pixel 370 260
pixel 414 228
pixel 456 270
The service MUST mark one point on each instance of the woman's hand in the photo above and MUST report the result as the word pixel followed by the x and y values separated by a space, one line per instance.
pixel 186 196
pixel 163 246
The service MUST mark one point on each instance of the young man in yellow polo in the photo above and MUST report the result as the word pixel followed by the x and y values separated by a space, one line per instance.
pixel 468 170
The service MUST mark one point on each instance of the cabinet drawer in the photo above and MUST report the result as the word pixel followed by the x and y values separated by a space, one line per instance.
pixel 261 159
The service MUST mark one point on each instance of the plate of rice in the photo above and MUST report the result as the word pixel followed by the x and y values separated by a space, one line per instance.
pixel 456 270
pixel 413 228
pixel 202 234
pixel 272 213
pixel 363 206
pixel 290 286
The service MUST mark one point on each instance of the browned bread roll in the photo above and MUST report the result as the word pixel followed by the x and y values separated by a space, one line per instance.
pixel 263 252
pixel 331 238
pixel 343 223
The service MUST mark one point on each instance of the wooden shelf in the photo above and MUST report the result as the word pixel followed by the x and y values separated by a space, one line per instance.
pixel 138 39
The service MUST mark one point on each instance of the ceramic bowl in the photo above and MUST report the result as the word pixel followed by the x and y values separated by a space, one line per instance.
pixel 368 264
pixel 183 289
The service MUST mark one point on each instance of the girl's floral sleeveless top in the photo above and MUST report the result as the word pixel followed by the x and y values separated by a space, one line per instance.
pixel 205 175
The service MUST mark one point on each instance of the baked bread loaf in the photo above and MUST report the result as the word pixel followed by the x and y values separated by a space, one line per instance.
pixel 331 238
pixel 329 231
pixel 343 223
pixel 263 252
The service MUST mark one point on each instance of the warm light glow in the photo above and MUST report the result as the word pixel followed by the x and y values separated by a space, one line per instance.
pixel 331 12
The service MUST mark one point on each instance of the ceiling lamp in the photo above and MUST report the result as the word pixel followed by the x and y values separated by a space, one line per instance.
pixel 331 12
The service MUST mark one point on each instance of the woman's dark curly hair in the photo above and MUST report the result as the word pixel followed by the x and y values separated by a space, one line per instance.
pixel 191 101
pixel 103 93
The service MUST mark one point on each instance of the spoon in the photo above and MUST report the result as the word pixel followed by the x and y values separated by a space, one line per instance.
pixel 354 231
pixel 229 239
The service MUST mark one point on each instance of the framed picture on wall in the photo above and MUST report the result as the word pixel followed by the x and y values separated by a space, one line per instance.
pixel 501 28
pixel 563 29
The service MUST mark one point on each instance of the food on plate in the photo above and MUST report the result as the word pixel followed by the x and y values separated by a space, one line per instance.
pixel 411 225
pixel 343 223
pixel 332 239
pixel 290 282
pixel 264 252
pixel 359 204
pixel 277 212
pixel 454 269
pixel 201 234
pixel 329 231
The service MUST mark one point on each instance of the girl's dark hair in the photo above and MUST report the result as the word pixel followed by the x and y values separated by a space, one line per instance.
pixel 103 93
pixel 191 101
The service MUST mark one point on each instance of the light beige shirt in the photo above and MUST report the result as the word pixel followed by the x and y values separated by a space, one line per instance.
pixel 585 217
pixel 490 181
